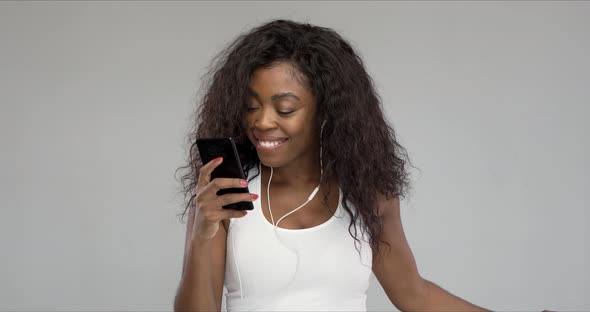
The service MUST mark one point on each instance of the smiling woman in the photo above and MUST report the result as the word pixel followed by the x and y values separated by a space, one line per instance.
pixel 298 100
pixel 278 121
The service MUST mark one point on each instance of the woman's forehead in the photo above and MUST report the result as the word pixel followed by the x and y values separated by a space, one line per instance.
pixel 277 82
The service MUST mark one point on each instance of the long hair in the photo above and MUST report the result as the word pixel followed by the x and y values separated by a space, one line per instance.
pixel 359 146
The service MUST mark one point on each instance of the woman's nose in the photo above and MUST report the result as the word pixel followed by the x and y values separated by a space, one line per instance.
pixel 265 119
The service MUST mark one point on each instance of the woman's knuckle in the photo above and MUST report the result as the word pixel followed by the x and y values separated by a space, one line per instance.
pixel 200 206
pixel 224 200
pixel 208 214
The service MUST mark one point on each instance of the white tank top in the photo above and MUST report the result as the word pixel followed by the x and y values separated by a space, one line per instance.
pixel 313 269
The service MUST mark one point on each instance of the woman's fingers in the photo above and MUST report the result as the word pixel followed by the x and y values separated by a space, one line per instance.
pixel 222 183
pixel 213 212
pixel 224 214
pixel 209 205
pixel 231 198
pixel 205 171
pixel 209 191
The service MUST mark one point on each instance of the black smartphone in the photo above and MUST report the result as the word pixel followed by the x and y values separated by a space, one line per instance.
pixel 231 167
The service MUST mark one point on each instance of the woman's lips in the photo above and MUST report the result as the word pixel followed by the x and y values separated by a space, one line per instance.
pixel 270 145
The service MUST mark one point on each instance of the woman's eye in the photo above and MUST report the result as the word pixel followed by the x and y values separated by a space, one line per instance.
pixel 251 109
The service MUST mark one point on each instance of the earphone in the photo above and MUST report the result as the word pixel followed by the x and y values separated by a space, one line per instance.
pixel 309 198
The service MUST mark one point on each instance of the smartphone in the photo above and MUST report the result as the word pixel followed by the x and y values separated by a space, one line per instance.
pixel 231 167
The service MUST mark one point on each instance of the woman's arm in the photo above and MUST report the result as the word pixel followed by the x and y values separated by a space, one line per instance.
pixel 436 298
pixel 201 285
pixel 398 274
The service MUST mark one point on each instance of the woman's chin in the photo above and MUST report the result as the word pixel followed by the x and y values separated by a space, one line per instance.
pixel 270 161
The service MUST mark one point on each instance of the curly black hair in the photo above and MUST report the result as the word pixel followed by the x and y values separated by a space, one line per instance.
pixel 359 146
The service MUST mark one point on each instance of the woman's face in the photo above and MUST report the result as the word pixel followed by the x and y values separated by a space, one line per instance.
pixel 281 117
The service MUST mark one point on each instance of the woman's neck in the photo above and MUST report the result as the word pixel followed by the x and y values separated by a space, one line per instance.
pixel 293 176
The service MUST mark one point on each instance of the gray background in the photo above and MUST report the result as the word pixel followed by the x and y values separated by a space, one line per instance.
pixel 490 99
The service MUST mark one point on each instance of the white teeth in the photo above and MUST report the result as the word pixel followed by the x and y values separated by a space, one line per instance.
pixel 270 143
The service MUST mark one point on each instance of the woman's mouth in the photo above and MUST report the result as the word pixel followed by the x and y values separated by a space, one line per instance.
pixel 269 145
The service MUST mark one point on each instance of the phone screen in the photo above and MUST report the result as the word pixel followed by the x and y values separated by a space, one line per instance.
pixel 231 166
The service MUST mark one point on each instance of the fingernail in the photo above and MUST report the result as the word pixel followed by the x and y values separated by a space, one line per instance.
pixel 244 182
pixel 254 196
pixel 218 159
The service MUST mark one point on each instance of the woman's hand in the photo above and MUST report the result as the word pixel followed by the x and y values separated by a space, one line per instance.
pixel 209 211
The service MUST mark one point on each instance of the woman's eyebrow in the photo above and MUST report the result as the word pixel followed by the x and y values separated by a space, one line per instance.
pixel 275 97
pixel 279 96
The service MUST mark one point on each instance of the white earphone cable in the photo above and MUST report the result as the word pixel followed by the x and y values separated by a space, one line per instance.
pixel 311 196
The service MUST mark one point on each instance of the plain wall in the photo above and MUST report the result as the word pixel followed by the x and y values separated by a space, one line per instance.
pixel 489 98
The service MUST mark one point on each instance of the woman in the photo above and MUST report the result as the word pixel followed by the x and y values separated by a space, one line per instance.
pixel 297 99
